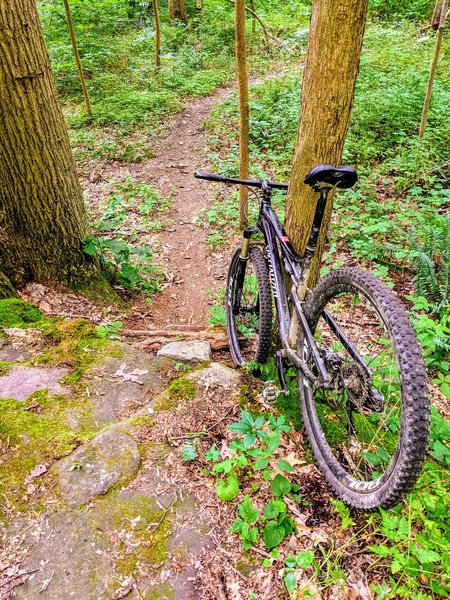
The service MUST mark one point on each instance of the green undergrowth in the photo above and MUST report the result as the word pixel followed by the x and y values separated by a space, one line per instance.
pixel 404 551
pixel 128 214
pixel 395 221
pixel 131 99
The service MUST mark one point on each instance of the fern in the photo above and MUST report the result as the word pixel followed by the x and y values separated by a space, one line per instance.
pixel 430 255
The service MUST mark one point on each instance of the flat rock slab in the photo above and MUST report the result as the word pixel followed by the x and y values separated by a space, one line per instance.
pixel 90 554
pixel 193 353
pixel 20 382
pixel 91 470
pixel 216 374
pixel 10 353
pixel 128 381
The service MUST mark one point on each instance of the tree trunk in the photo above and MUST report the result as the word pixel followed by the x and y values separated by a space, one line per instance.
pixel 157 34
pixel 42 214
pixel 6 288
pixel 177 10
pixel 242 73
pixel 434 63
pixel 332 63
pixel 436 18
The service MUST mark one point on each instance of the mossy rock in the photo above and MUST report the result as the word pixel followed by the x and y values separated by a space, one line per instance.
pixel 17 313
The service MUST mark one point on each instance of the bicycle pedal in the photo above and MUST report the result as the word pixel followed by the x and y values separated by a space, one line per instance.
pixel 270 392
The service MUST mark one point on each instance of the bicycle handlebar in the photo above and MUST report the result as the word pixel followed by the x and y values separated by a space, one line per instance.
pixel 251 182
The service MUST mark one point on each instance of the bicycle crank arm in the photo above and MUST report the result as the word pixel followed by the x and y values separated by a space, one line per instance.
pixel 280 368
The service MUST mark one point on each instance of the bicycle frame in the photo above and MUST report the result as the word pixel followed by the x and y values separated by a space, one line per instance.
pixel 297 268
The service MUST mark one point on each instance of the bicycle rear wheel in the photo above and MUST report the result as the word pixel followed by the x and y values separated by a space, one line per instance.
pixel 249 307
pixel 368 428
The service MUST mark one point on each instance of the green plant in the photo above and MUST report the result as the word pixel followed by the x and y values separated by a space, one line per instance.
pixel 110 330
pixel 301 560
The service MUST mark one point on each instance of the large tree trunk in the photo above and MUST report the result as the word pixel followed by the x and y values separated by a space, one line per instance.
pixel 242 73
pixel 177 10
pixel 334 48
pixel 42 214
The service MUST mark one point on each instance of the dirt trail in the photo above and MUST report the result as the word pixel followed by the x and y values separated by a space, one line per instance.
pixel 193 269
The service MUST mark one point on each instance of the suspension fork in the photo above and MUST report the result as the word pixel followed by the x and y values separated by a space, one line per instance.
pixel 242 266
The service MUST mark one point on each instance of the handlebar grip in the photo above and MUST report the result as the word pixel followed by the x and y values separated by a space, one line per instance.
pixel 210 177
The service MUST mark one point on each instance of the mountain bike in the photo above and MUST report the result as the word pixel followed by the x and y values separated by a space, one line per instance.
pixel 360 375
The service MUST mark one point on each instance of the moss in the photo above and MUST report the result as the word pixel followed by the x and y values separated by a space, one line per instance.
pixel 142 421
pixel 36 431
pixel 77 345
pixel 147 529
pixel 17 313
pixel 179 390
pixel 162 591
pixel 4 367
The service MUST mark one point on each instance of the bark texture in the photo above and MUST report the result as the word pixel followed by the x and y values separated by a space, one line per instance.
pixel 332 64
pixel 177 10
pixel 6 288
pixel 157 34
pixel 242 74
pixel 42 214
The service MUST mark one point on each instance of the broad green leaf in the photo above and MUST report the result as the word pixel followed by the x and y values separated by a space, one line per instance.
pixel 304 559
pixel 229 490
pixel 261 463
pixel 290 581
pixel 280 486
pixel 273 533
pixel 283 465
pixel 246 510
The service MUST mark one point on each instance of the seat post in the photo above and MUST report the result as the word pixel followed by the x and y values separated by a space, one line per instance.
pixel 323 189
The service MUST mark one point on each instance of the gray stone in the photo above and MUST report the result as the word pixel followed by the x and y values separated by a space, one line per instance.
pixel 216 374
pixel 20 382
pixel 126 382
pixel 92 469
pixel 193 353
pixel 10 353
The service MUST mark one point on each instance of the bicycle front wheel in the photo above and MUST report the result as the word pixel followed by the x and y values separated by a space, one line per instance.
pixel 249 307
pixel 367 427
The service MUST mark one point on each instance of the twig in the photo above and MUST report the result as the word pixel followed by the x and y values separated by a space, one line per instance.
pixel 163 516
pixel 47 582
pixel 18 576
pixel 136 589
pixel 220 420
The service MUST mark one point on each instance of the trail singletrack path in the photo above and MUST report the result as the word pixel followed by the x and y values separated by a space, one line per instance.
pixel 192 267
pixel 194 271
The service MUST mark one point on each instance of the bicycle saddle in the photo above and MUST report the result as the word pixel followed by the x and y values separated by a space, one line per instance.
pixel 342 177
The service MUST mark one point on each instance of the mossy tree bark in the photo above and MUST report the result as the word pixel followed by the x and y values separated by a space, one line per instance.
pixel 332 63
pixel 177 10
pixel 242 73
pixel 6 288
pixel 42 214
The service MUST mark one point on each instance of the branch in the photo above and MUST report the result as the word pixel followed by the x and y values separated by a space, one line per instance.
pixel 252 12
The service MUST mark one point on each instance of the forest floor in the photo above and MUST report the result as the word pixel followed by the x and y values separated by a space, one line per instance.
pixel 153 526
pixel 192 270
